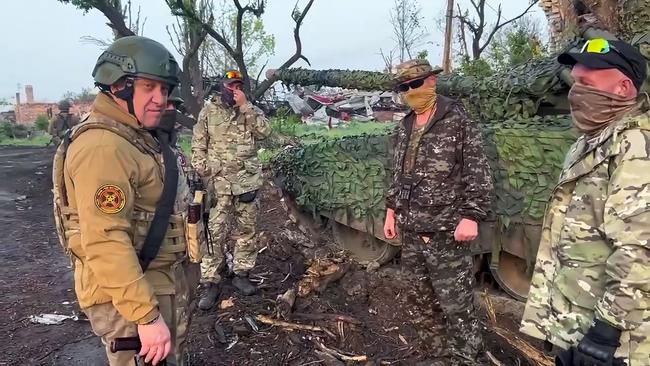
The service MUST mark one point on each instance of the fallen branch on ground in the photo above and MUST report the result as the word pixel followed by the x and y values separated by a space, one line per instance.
pixel 530 353
pixel 291 326
pixel 332 317
pixel 338 354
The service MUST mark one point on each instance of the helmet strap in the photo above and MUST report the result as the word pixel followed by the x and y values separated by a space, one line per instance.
pixel 126 94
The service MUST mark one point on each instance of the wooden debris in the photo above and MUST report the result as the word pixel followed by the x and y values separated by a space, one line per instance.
pixel 320 274
pixel 525 349
pixel 325 316
pixel 228 303
pixel 338 354
pixel 284 303
pixel 290 326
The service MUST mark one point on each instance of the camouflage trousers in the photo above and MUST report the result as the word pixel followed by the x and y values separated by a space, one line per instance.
pixel 175 309
pixel 245 251
pixel 438 261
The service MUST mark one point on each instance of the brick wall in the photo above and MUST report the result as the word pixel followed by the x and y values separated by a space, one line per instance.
pixel 26 113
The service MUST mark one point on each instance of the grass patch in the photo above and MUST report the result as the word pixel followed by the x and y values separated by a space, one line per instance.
pixel 37 141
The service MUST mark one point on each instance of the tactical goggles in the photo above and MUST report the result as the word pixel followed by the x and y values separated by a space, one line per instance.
pixel 233 75
pixel 413 84
pixel 598 45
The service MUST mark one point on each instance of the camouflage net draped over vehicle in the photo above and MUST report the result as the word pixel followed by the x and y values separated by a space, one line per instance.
pixel 517 94
pixel 526 158
pixel 348 177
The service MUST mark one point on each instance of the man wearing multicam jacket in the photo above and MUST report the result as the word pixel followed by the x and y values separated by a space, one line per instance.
pixel 590 292
pixel 223 152
pixel 440 192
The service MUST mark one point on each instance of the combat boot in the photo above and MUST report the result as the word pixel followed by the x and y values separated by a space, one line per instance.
pixel 243 284
pixel 210 296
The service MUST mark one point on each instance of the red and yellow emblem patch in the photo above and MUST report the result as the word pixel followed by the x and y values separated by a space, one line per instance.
pixel 110 199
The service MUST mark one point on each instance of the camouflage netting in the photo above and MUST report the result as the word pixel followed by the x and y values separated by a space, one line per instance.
pixel 517 94
pixel 526 158
pixel 348 177
pixel 345 176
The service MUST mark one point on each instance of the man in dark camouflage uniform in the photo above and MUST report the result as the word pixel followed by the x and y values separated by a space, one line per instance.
pixel 440 192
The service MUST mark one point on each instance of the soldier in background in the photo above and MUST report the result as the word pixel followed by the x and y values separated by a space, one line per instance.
pixel 224 154
pixel 62 122
pixel 590 292
pixel 440 192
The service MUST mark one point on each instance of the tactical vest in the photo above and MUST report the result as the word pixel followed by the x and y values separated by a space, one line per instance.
pixel 177 235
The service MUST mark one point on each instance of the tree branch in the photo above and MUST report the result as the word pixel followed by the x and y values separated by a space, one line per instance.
pixel 179 8
pixel 501 25
pixel 298 17
pixel 115 18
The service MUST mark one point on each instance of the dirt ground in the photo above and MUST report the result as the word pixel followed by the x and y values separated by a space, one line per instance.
pixel 364 313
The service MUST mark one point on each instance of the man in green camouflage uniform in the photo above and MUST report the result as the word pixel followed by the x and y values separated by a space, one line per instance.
pixel 440 191
pixel 62 122
pixel 590 292
pixel 224 153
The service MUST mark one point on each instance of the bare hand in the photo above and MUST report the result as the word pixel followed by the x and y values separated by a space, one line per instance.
pixel 389 225
pixel 240 98
pixel 466 230
pixel 156 341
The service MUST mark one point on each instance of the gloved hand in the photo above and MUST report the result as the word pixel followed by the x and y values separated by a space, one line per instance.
pixel 597 348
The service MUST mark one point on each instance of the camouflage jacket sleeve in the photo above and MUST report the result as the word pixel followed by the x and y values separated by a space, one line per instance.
pixel 200 141
pixel 256 119
pixel 393 189
pixel 475 170
pixel 626 222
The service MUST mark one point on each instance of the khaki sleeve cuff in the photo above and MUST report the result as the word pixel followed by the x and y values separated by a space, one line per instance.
pixel 153 314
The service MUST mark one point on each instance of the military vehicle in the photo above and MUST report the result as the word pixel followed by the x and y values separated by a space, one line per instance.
pixel 340 184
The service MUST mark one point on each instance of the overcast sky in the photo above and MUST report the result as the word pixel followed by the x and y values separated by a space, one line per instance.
pixel 41 39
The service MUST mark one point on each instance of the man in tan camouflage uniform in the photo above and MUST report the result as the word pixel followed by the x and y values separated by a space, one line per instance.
pixel 590 292
pixel 224 153
pixel 62 122
pixel 440 192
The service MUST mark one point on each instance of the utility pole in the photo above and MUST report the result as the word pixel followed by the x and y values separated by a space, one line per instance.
pixel 446 55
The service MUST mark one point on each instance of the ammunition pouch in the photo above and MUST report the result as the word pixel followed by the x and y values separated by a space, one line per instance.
pixel 248 197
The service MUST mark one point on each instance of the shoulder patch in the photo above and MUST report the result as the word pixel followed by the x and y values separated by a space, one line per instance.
pixel 110 199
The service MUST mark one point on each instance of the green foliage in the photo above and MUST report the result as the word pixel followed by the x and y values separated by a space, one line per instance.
pixel 9 131
pixel 478 68
pixel 38 141
pixel 86 95
pixel 41 122
pixel 516 45
pixel 6 130
pixel 513 45
pixel 257 44
pixel 422 55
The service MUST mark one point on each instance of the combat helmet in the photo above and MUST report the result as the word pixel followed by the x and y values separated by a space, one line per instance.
pixel 175 97
pixel 131 57
pixel 64 105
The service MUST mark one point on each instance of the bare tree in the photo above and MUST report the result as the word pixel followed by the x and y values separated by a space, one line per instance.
pixel 188 39
pixel 388 59
pixel 408 30
pixel 236 49
pixel 133 24
pixel 112 10
pixel 476 27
